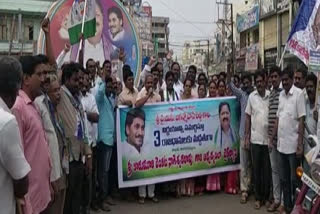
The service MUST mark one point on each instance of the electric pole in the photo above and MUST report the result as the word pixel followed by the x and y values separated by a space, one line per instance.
pixel 11 33
pixel 208 46
pixel 225 25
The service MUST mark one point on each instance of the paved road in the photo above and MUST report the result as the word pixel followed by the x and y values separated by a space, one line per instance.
pixel 206 204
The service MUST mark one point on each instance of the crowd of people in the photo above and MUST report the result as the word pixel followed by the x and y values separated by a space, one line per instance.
pixel 57 131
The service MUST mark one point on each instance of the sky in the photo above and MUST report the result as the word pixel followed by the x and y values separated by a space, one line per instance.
pixel 189 19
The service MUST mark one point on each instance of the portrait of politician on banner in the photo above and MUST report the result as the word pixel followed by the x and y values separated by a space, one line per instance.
pixel 225 136
pixel 134 131
pixel 169 141
pixel 114 32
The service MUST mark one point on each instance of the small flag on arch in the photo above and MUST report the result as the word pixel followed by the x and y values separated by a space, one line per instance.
pixel 76 19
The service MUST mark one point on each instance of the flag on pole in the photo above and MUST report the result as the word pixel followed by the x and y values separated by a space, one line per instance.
pixel 305 33
pixel 79 9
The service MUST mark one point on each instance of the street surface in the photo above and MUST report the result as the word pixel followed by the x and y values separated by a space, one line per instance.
pixel 207 204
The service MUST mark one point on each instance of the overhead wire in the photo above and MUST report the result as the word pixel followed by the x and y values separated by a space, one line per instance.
pixel 181 16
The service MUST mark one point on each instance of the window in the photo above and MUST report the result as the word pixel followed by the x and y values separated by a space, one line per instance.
pixel 28 31
pixel 243 38
pixel 3 29
pixel 3 32
pixel 255 36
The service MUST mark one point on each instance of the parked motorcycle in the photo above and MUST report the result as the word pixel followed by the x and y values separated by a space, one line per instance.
pixel 309 182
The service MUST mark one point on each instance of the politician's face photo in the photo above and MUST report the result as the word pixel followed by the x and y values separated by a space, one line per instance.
pixel 224 117
pixel 135 132
pixel 115 23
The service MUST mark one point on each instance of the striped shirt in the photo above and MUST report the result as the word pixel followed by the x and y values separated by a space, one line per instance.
pixel 273 108
pixel 242 97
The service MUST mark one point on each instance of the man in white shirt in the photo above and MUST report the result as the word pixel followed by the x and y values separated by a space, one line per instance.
pixel 14 167
pixel 147 95
pixel 256 132
pixel 290 128
pixel 169 94
pixel 192 74
pixel 146 70
pixel 311 115
pixel 90 107
pixel 155 74
pixel 300 76
pixel 177 85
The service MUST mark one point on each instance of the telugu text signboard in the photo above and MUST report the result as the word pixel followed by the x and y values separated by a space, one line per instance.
pixel 170 141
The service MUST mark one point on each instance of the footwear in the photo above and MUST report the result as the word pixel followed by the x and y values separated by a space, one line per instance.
pixel 95 207
pixel 257 205
pixel 267 204
pixel 105 207
pixel 281 210
pixel 273 207
pixel 244 198
pixel 110 201
pixel 141 200
pixel 154 200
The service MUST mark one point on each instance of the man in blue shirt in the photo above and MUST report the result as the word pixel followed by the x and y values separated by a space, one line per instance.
pixel 106 132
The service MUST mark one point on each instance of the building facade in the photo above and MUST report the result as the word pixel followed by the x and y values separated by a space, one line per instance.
pixel 276 18
pixel 20 25
pixel 160 35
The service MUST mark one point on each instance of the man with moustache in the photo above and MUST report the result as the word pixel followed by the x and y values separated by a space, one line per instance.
pixel 147 95
pixel 256 134
pixel 72 114
pixel 33 135
pixel 42 103
pixel 300 76
pixel 290 128
pixel 135 124
pixel 275 78
pixel 115 19
pixel 242 95
pixel 311 119
pixel 106 103
pixel 14 168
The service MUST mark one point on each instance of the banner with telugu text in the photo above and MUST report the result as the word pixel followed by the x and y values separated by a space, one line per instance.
pixel 176 140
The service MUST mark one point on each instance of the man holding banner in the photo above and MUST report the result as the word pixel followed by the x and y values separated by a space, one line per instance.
pixel 146 95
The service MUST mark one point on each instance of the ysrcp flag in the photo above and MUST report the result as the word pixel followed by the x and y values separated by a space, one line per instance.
pixel 76 17
pixel 305 33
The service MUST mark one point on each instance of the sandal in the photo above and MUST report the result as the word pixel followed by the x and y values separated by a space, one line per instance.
pixel 244 198
pixel 273 207
pixel 141 200
pixel 257 205
pixel 154 200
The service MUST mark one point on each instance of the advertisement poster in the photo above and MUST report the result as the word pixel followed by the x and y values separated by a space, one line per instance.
pixel 252 57
pixel 283 5
pixel 314 61
pixel 170 141
pixel 115 30
pixel 248 19
pixel 266 7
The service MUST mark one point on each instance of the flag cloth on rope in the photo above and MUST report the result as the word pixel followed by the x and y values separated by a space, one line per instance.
pixel 305 33
pixel 76 18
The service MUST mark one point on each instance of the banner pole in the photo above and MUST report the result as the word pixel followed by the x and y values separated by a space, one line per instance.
pixel 317 92
pixel 282 56
pixel 83 20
